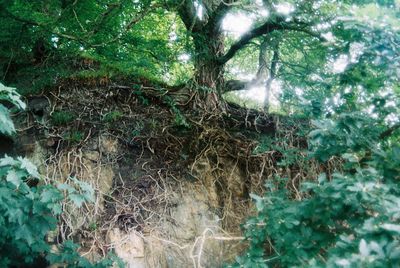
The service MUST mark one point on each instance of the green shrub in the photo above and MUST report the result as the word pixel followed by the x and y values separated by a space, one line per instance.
pixel 29 210
pixel 349 220
pixel 28 214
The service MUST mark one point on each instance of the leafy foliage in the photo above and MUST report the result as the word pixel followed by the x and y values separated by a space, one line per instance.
pixel 340 217
pixel 29 214
pixel 8 95
pixel 29 210
pixel 26 213
pixel 88 39
pixel 349 218
pixel 74 136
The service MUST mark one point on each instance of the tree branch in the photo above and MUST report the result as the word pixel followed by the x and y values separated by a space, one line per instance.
pixel 84 39
pixel 262 62
pixel 105 15
pixel 269 26
pixel 220 12
pixel 234 85
pixel 43 26
pixel 128 26
pixel 188 13
pixel 272 74
pixel 387 133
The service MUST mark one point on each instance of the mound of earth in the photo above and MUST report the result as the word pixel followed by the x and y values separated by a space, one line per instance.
pixel 172 185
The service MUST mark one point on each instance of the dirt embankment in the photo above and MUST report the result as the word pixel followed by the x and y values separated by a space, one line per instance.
pixel 172 187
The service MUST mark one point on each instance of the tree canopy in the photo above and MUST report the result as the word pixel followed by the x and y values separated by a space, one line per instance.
pixel 175 41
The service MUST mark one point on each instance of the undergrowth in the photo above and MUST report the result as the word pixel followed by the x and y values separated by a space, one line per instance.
pixel 29 208
pixel 348 218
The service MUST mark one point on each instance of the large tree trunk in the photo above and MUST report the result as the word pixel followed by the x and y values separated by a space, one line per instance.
pixel 208 72
pixel 208 40
pixel 209 45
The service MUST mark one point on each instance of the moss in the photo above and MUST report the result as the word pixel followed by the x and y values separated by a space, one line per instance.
pixel 60 118
pixel 74 136
pixel 112 116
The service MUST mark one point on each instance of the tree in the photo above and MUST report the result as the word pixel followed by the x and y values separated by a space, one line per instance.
pixel 203 21
pixel 344 219
pixel 337 63
pixel 101 27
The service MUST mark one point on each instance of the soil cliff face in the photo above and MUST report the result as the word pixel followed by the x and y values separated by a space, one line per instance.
pixel 171 188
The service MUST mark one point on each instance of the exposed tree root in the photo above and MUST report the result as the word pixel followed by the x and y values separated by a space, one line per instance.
pixel 151 158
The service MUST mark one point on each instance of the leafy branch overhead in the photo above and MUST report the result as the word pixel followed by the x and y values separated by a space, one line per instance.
pixel 91 26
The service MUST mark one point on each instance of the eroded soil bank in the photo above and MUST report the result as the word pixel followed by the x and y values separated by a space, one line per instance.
pixel 172 187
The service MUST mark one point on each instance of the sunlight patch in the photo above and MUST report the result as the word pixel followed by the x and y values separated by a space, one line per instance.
pixel 237 24
pixel 340 64
pixel 284 8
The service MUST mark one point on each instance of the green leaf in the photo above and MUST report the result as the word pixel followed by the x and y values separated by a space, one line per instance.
pixel 363 248
pixel 17 216
pixel 50 195
pixel 352 158
pixel 14 178
pixel 260 202
pixel 29 167
pixel 88 191
pixel 67 187
pixel 6 124
pixel 78 199
pixel 10 94
pixel 7 161
pixel 24 233
pixel 391 227
pixel 322 178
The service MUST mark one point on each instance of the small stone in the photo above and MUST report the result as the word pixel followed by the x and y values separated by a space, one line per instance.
pixel 50 142
pixel 129 247
pixel 109 145
pixel 92 155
